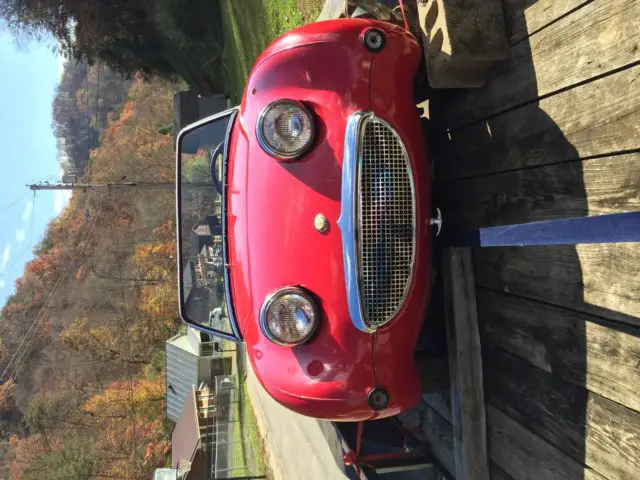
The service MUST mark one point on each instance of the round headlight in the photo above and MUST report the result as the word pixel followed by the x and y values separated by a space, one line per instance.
pixel 289 316
pixel 285 129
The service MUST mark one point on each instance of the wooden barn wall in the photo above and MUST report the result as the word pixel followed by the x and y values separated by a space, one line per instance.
pixel 554 134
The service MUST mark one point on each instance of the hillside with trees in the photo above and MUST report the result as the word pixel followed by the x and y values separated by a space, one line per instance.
pixel 82 392
pixel 85 99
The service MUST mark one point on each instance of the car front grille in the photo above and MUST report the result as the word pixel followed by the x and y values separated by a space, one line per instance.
pixel 386 216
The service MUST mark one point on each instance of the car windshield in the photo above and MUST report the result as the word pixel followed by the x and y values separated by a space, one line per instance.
pixel 204 300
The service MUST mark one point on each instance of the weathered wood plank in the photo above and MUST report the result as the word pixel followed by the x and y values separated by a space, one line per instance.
pixel 610 275
pixel 434 374
pixel 576 189
pixel 551 131
pixel 598 279
pixel 578 348
pixel 515 451
pixel 440 402
pixel 333 9
pixel 525 17
pixel 524 456
pixel 592 429
pixel 438 434
pixel 461 40
pixel 465 366
pixel 596 39
pixel 498 474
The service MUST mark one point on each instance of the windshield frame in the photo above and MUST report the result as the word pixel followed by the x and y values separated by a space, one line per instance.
pixel 235 336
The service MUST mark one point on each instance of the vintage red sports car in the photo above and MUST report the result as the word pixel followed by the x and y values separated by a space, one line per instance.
pixel 303 220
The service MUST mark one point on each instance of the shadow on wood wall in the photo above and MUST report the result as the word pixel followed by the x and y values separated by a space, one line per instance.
pixel 552 136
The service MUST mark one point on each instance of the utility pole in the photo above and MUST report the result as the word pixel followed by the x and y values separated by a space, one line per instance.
pixel 90 186
pixel 98 186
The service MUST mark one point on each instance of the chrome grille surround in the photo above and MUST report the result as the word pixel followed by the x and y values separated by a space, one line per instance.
pixel 386 221
pixel 377 221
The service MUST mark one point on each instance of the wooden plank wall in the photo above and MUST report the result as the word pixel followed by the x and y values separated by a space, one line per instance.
pixel 465 366
pixel 554 134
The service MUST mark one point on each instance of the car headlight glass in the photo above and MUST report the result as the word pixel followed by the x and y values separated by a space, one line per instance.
pixel 289 316
pixel 285 129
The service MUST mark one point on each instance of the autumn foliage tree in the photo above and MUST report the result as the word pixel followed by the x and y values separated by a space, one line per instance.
pixel 130 415
pixel 110 342
pixel 101 290
pixel 156 261
pixel 7 392
pixel 36 458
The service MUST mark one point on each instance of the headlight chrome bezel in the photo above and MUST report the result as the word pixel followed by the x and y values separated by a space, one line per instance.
pixel 276 295
pixel 272 151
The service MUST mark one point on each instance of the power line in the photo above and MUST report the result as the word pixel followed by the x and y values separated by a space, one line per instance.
pixel 47 304
pixel 13 203
pixel 98 186
pixel 53 296
pixel 41 314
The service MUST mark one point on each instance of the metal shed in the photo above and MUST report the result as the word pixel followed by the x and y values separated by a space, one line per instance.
pixel 190 360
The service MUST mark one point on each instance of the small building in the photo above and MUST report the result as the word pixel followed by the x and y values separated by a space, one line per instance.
pixel 202 440
pixel 192 360
pixel 206 252
pixel 191 453
pixel 166 474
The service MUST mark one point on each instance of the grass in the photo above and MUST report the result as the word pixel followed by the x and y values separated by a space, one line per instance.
pixel 250 452
pixel 249 26
pixel 192 41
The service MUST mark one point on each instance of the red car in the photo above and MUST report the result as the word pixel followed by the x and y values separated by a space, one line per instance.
pixel 303 220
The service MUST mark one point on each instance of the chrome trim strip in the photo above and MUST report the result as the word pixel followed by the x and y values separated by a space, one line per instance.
pixel 348 218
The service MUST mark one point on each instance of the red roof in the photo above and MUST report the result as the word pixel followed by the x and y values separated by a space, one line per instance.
pixel 185 439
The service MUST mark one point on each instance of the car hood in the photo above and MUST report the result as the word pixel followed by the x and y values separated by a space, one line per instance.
pixel 272 241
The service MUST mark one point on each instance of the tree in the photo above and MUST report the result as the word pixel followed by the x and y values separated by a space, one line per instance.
pixel 107 342
pixel 49 412
pixel 129 413
pixel 156 261
pixel 71 456
pixel 7 400
pixel 158 38
pixel 85 97
pixel 98 331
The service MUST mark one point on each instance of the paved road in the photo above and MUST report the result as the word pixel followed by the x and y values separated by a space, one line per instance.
pixel 298 447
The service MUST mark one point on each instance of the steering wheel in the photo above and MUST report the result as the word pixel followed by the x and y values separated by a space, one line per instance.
pixel 216 154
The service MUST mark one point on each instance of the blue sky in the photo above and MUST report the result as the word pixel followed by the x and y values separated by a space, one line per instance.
pixel 28 153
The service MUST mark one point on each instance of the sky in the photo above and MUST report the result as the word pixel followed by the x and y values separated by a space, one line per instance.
pixel 28 78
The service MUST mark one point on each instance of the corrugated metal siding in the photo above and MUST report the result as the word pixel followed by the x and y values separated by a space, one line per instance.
pixel 182 375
